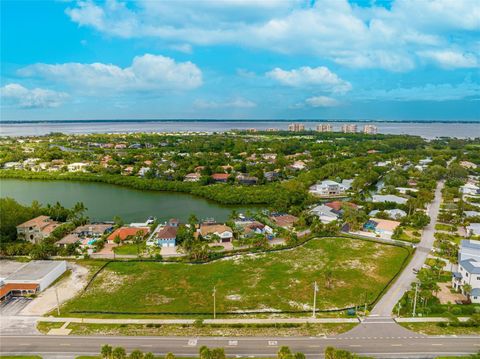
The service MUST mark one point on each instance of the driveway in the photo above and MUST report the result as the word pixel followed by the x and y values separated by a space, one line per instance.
pixel 386 304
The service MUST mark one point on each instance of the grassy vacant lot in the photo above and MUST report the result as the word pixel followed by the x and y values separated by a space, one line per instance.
pixel 436 329
pixel 129 248
pixel 279 280
pixel 231 330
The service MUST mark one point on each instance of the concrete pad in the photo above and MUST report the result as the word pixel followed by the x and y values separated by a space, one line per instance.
pixel 59 331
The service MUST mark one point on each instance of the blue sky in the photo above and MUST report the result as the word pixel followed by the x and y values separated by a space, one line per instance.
pixel 325 59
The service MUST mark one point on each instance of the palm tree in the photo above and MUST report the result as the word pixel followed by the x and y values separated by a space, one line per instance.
pixel 466 289
pixel 119 353
pixel 138 239
pixel 106 351
pixel 328 278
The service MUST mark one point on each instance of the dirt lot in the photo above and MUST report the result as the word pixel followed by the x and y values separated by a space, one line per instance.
pixel 445 296
pixel 67 288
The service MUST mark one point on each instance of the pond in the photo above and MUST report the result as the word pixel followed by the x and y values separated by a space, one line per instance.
pixel 104 201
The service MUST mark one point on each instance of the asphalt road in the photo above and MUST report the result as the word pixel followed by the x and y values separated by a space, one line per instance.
pixel 413 346
pixel 386 304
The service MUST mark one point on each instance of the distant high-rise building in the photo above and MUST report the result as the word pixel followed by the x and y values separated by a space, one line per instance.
pixel 324 127
pixel 296 127
pixel 271 129
pixel 370 129
pixel 349 128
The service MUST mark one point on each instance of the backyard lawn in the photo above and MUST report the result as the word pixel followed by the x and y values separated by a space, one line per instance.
pixel 345 269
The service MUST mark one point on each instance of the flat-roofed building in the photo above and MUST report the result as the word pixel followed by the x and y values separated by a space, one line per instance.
pixel 324 127
pixel 31 278
pixel 349 128
pixel 370 129
pixel 296 127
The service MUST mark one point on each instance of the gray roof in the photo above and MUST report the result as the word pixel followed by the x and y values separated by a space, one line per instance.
pixel 34 270
pixel 470 243
pixel 475 292
pixel 471 266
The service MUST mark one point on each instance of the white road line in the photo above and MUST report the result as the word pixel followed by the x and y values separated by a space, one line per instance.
pixel 192 342
pixel 437 344
pixel 272 342
pixel 233 342
pixel 65 344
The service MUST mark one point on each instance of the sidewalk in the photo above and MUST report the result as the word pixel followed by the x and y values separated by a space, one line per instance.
pixel 192 321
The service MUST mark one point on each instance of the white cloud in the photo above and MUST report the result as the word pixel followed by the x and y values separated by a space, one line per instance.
pixel 17 95
pixel 322 101
pixel 429 92
pixel 235 103
pixel 306 76
pixel 147 72
pixel 451 59
pixel 353 36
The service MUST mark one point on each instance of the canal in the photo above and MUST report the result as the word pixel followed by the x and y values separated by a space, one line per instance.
pixel 104 201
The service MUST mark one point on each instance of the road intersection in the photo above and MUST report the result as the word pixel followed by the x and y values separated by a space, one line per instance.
pixel 377 335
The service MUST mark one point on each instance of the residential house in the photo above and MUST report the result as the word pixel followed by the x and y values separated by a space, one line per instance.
pixel 471 214
pixel 469 249
pixel 298 166
pixel 192 177
pixel 256 227
pixel 473 229
pixel 405 190
pixel 143 171
pixel 468 269
pixel 127 233
pixel 220 177
pixel 86 235
pixel 325 213
pixel 271 176
pixel 224 232
pixel 283 220
pixel 467 164
pixel 379 198
pixel 167 236
pixel 338 205
pixel 13 165
pixel 246 179
pixel 330 188
pixel 391 213
pixel 470 189
pixel 77 167
pixel 382 227
pixel 36 229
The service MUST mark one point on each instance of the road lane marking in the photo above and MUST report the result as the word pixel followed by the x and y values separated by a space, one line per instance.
pixel 314 346
pixel 396 345
pixel 233 342
pixel 65 344
pixel 146 345
pixel 437 344
pixel 24 344
pixel 272 342
pixel 354 345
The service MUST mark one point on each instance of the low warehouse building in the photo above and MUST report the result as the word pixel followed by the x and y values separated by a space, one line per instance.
pixel 32 277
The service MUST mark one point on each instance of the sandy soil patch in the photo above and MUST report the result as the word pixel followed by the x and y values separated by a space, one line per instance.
pixel 66 288
pixel 234 297
pixel 445 296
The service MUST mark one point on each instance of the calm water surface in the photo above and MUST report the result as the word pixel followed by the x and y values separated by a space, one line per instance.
pixel 105 201
pixel 425 129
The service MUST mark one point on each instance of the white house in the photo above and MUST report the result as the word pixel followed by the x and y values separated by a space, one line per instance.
pixel 324 213
pixel 470 214
pixel 470 189
pixel 469 249
pixel 388 198
pixel 330 188
pixel 405 190
pixel 468 273
pixel 392 213
pixel 77 167
pixel 473 229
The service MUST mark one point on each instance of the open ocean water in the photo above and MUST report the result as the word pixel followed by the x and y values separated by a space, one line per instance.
pixel 427 130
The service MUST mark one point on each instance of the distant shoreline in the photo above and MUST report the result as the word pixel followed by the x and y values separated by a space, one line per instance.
pixel 19 122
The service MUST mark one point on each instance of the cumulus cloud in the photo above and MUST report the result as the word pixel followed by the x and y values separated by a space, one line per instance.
pixel 235 103
pixel 146 73
pixel 322 101
pixel 306 76
pixel 451 59
pixel 17 95
pixel 353 36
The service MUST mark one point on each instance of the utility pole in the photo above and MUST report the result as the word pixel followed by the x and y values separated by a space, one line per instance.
pixel 214 303
pixel 315 290
pixel 415 299
pixel 365 309
pixel 58 302
pixel 398 310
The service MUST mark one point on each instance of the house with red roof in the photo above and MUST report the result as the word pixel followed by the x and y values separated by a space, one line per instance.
pixel 127 233
pixel 220 177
